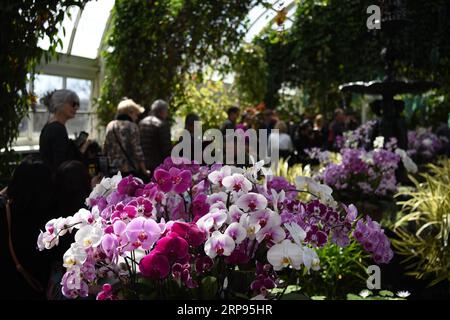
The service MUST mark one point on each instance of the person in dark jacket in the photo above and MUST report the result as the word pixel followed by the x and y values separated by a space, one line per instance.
pixel 155 135
pixel 54 144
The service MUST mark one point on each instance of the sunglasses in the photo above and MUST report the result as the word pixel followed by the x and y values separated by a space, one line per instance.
pixel 75 105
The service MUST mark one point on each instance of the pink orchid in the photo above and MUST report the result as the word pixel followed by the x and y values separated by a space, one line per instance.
pixel 274 234
pixel 200 207
pixel 214 219
pixel 219 244
pixel 237 232
pixel 181 179
pixel 163 179
pixel 142 232
pixel 109 245
pixel 251 202
pixel 139 207
pixel 155 266
pixel 216 177
pixel 190 232
pixel 265 218
pixel 234 214
pixel 174 247
pixel 237 183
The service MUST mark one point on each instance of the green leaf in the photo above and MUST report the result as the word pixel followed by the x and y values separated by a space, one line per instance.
pixel 386 293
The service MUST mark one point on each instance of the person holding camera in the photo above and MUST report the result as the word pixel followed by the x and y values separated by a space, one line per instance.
pixel 122 141
pixel 55 147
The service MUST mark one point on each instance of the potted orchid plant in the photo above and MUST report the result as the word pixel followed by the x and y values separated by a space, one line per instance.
pixel 204 232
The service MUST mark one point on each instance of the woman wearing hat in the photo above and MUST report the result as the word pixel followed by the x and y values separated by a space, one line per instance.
pixel 122 141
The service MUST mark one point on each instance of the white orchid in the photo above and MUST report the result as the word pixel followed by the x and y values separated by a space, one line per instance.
pixel 76 255
pixel 409 164
pixel 296 232
pixel 89 236
pixel 105 187
pixel 219 244
pixel 378 143
pixel 285 254
pixel 237 232
pixel 310 259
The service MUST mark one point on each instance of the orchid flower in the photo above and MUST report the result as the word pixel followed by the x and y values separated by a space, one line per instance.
pixel 285 254
pixel 75 255
pixel 89 236
pixel 219 244
pixel 251 202
pixel 237 232
pixel 296 232
pixel 217 176
pixel 214 219
pixel 142 232
pixel 237 183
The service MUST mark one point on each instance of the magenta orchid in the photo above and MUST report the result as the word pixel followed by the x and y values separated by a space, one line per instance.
pixel 192 222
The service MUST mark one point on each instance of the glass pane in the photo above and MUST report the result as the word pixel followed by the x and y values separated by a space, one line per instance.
pixel 39 121
pixel 83 88
pixel 81 122
pixel 90 29
pixel 260 16
pixel 23 127
pixel 44 83
pixel 64 31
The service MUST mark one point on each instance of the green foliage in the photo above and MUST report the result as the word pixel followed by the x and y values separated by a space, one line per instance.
pixel 250 67
pixel 209 100
pixel 342 270
pixel 152 45
pixel 22 23
pixel 423 231
pixel 329 44
pixel 380 295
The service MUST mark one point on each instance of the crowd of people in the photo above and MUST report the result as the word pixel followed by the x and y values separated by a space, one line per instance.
pixel 57 181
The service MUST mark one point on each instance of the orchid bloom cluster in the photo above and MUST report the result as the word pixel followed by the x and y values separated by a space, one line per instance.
pixel 191 218
pixel 361 137
pixel 423 145
pixel 369 172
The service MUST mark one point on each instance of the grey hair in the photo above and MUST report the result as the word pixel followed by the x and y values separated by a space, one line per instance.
pixel 158 106
pixel 56 99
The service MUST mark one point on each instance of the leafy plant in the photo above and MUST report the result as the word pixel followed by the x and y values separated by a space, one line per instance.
pixel 380 295
pixel 250 67
pixel 342 270
pixel 423 231
pixel 152 45
pixel 208 99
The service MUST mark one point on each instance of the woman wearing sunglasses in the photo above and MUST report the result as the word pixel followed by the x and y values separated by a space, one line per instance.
pixel 54 144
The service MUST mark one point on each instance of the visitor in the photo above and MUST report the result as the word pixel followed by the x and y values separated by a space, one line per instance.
pixel 351 121
pixel 320 133
pixel 155 135
pixel 270 119
pixel 230 123
pixel 337 128
pixel 303 140
pixel 55 146
pixel 29 201
pixel 122 141
pixel 284 141
pixel 189 125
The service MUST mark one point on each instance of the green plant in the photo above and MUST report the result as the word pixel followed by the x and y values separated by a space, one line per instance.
pixel 22 23
pixel 329 44
pixel 251 74
pixel 423 231
pixel 342 270
pixel 380 295
pixel 208 99
pixel 152 45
